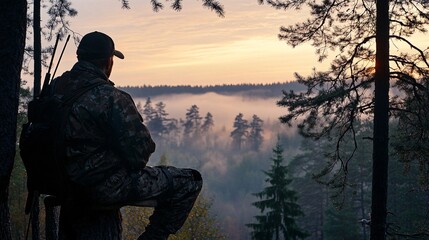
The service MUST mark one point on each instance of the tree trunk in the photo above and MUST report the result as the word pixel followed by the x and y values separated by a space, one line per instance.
pixel 37 48
pixel 381 124
pixel 13 18
pixel 37 55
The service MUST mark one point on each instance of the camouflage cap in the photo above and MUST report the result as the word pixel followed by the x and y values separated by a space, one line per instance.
pixel 97 45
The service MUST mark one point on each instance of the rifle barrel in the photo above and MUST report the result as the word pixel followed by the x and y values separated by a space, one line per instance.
pixel 61 56
pixel 48 74
pixel 53 53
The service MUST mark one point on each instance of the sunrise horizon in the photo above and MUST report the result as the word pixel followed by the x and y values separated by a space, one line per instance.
pixel 193 46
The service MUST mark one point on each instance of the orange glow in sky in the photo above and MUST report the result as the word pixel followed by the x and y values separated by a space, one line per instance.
pixel 194 46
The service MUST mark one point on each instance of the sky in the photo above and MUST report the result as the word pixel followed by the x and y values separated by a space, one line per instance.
pixel 194 46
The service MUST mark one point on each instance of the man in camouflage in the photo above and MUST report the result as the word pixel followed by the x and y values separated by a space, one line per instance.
pixel 108 146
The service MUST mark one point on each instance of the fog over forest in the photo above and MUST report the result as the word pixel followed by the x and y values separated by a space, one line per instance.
pixel 234 173
pixel 231 176
pixel 223 108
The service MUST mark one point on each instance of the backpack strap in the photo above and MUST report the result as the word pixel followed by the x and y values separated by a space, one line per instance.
pixel 72 97
pixel 67 101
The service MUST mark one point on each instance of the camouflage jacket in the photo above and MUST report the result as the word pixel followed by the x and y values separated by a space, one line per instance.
pixel 104 132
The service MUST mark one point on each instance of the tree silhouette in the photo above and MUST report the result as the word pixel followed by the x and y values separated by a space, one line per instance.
pixel 357 84
pixel 412 140
pixel 192 125
pixel 240 132
pixel 208 123
pixel 255 136
pixel 148 111
pixel 207 130
pixel 158 124
pixel 278 204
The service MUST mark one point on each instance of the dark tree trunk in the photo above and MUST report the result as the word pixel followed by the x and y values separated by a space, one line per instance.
pixel 381 124
pixel 37 48
pixel 37 55
pixel 13 18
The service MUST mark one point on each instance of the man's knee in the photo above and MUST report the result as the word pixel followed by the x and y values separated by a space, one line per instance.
pixel 196 175
pixel 186 181
pixel 197 179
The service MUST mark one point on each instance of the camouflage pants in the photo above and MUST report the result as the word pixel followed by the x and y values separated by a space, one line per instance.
pixel 174 190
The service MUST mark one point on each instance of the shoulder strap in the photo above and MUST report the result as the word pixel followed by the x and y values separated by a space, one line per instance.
pixel 72 97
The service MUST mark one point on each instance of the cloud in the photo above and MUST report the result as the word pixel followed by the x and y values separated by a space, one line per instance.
pixel 194 45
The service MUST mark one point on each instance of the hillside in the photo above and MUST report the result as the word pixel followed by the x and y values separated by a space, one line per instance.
pixel 250 90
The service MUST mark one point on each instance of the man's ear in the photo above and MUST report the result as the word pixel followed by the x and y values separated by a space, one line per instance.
pixel 108 66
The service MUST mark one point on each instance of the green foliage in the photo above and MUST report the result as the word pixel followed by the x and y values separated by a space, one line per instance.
pixel 314 196
pixel 345 216
pixel 411 141
pixel 325 208
pixel 338 98
pixel 408 202
pixel 17 199
pixel 201 223
pixel 18 179
pixel 177 5
pixel 278 204
pixel 134 220
pixel 341 224
pixel 163 161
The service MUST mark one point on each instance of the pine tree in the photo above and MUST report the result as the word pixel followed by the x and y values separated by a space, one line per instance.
pixel 148 111
pixel 163 160
pixel 278 204
pixel 341 224
pixel 255 137
pixel 240 132
pixel 411 140
pixel 139 108
pixel 206 130
pixel 208 123
pixel 192 125
pixel 173 131
pixel 314 196
pixel 357 84
pixel 158 123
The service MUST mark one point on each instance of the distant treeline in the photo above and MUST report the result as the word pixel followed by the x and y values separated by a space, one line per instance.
pixel 251 90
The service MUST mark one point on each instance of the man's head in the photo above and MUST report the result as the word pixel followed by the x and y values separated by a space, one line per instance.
pixel 99 49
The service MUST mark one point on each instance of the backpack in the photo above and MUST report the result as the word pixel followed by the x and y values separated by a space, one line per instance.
pixel 42 143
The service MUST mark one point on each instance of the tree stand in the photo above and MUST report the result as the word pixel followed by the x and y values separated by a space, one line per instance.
pixel 83 222
pixel 80 222
pixel 90 224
